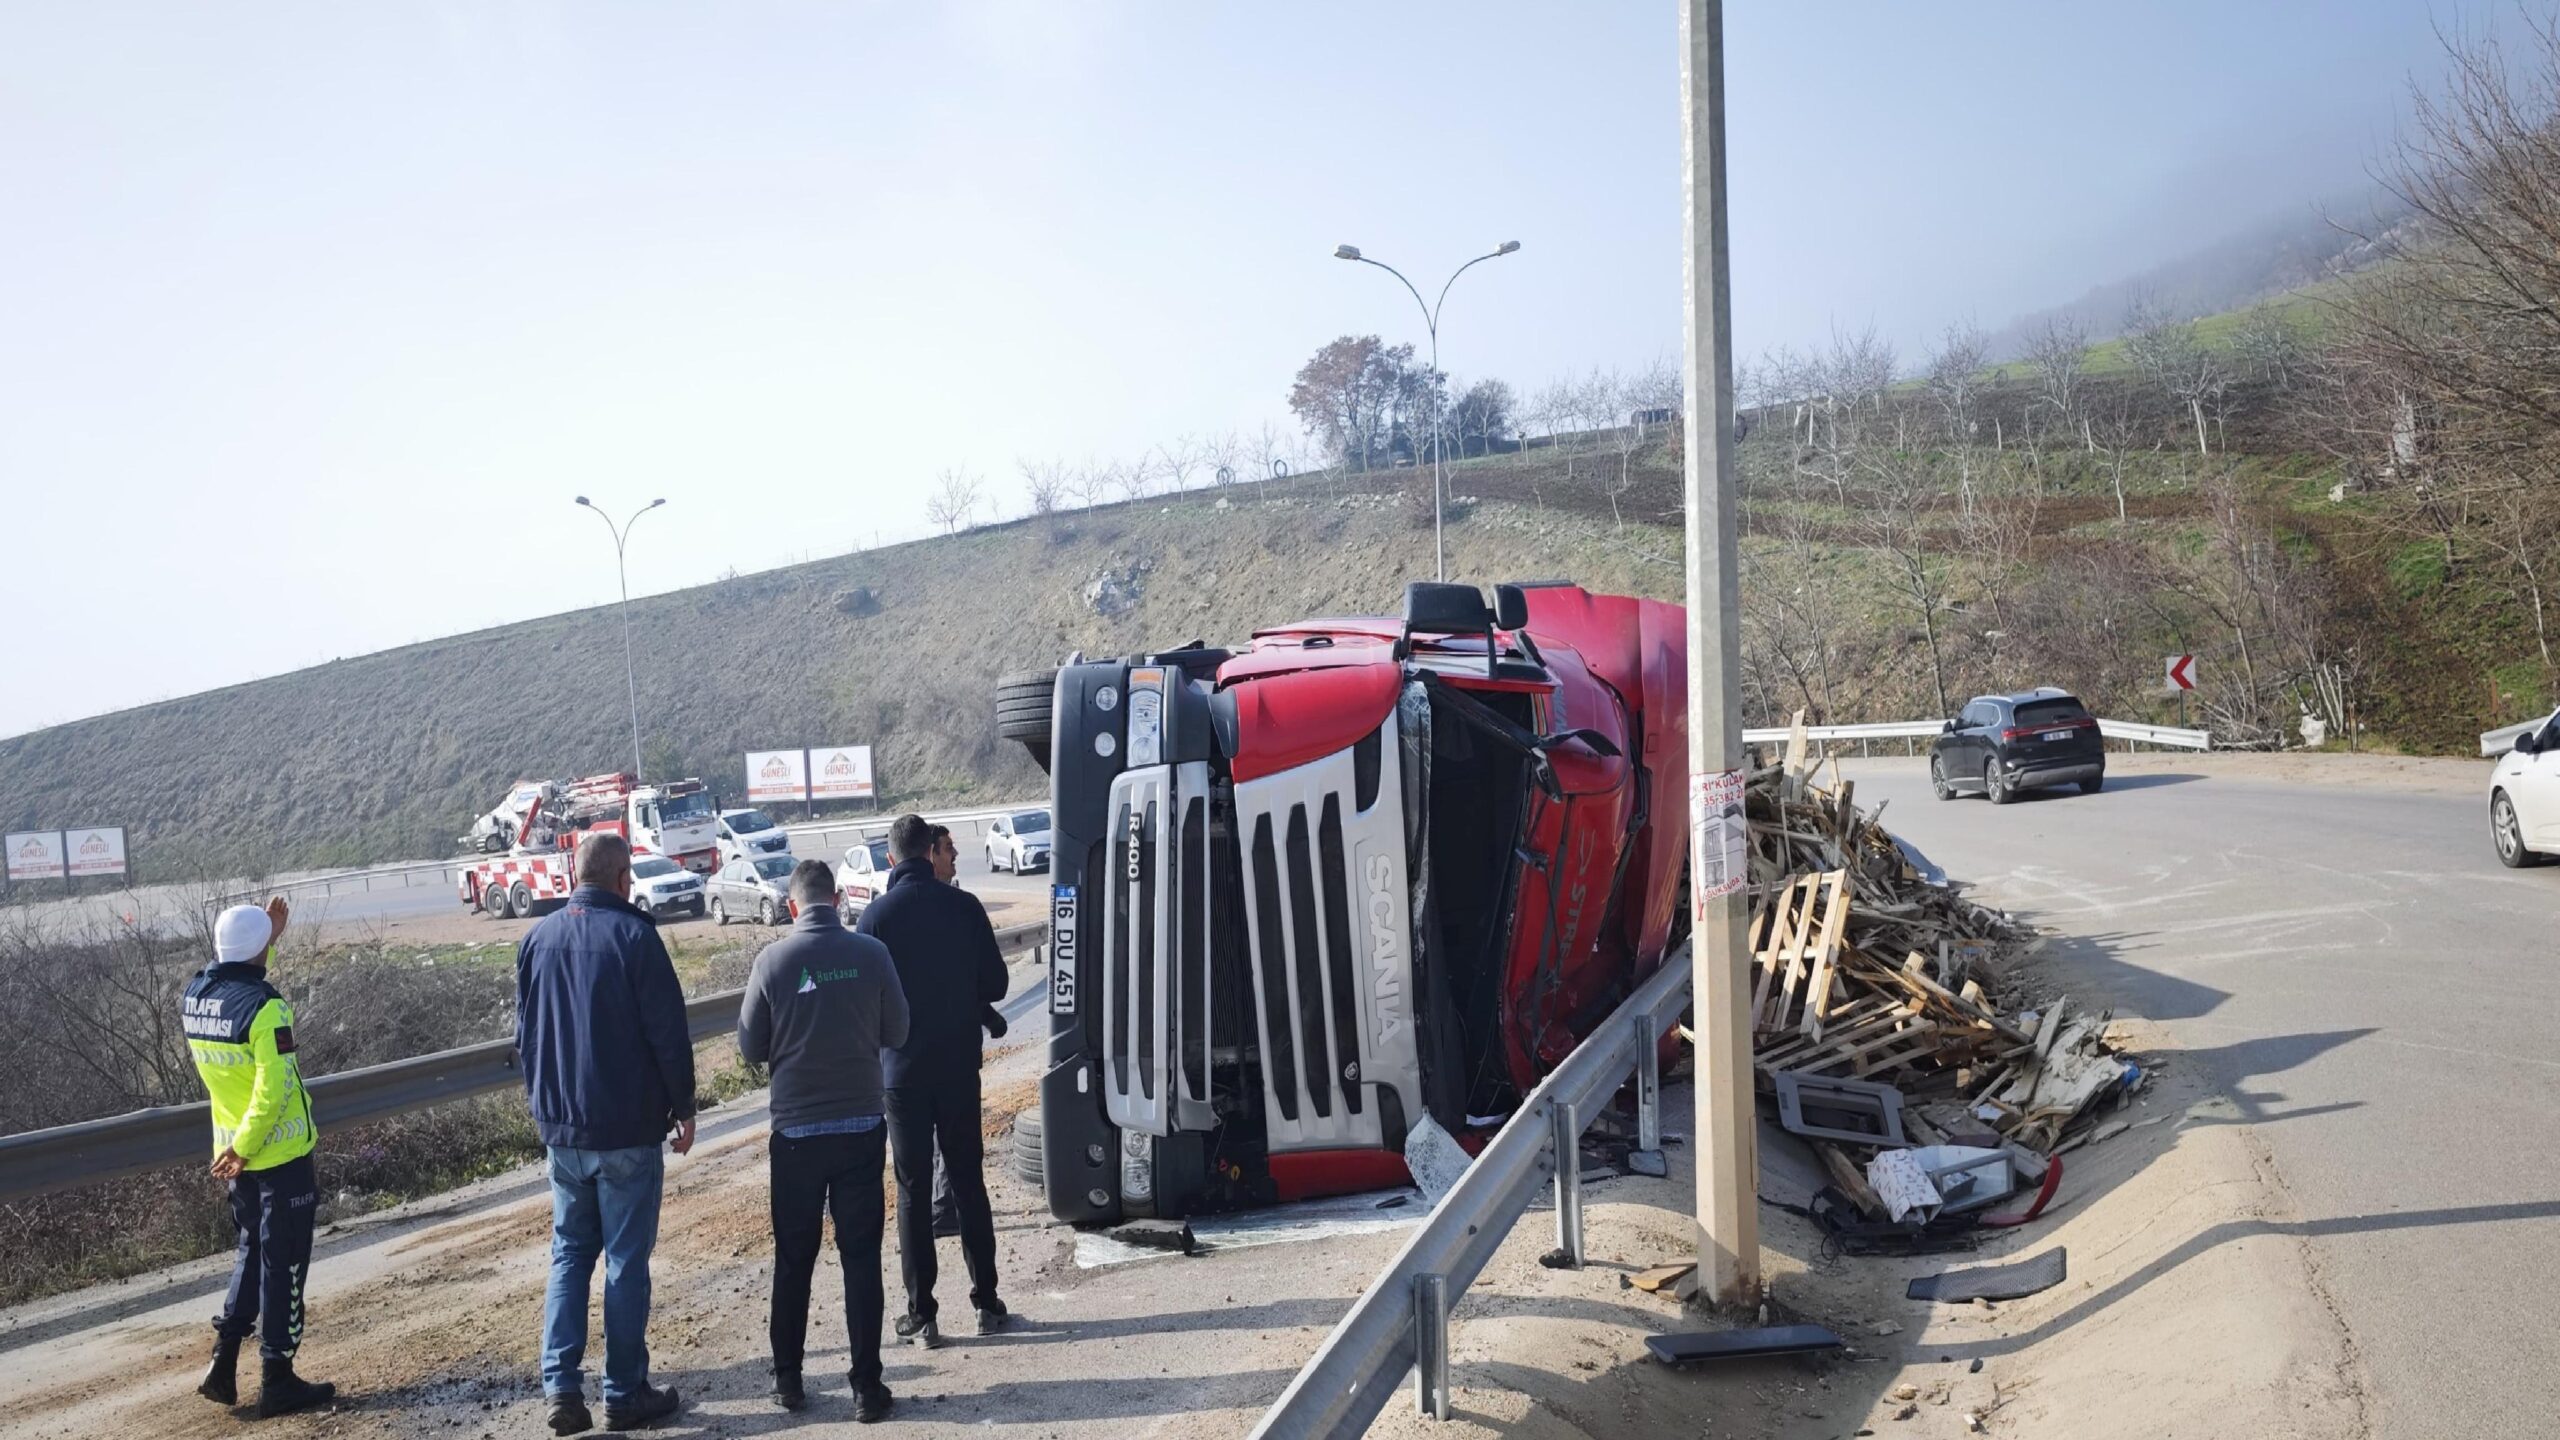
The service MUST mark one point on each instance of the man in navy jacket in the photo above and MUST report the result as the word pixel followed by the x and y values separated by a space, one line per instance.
pixel 951 971
pixel 608 1069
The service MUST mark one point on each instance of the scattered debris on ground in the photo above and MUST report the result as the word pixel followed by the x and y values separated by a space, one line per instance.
pixel 1884 1028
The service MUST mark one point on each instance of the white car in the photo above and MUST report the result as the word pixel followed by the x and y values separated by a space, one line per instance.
pixel 750 835
pixel 2524 798
pixel 663 887
pixel 863 876
pixel 1019 842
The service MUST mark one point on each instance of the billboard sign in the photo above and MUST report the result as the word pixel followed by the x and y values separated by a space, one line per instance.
pixel 777 775
pixel 841 773
pixel 98 850
pixel 35 855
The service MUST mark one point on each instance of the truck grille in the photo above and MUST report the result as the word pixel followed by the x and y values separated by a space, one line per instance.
pixel 1157 993
pixel 1328 916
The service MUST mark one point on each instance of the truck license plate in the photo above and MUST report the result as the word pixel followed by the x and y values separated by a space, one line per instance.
pixel 1062 950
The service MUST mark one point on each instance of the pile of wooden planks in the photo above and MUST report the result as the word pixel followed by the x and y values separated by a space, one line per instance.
pixel 1865 969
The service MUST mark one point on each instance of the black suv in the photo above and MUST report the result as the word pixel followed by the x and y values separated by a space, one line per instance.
pixel 2003 744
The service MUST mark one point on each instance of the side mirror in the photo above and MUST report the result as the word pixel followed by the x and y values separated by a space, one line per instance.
pixel 2526 743
pixel 1947 729
pixel 1510 607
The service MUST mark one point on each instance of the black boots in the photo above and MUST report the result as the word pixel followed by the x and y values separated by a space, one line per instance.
pixel 281 1392
pixel 221 1383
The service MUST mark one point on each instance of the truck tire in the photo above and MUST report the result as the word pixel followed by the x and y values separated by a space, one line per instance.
pixel 1023 703
pixel 493 898
pixel 520 901
pixel 1026 1145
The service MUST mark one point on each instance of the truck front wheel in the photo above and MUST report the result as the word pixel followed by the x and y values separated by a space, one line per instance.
pixel 1024 702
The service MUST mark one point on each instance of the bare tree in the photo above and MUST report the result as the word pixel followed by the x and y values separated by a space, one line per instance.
pixel 2170 353
pixel 1047 483
pixel 1954 383
pixel 1911 571
pixel 1177 459
pixel 1224 454
pixel 2058 352
pixel 955 497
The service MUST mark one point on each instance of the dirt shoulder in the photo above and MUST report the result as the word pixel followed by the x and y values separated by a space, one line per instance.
pixel 2429 774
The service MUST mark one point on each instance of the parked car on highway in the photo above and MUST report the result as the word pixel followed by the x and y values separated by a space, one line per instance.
pixel 2524 798
pixel 663 887
pixel 2004 744
pixel 1360 873
pixel 1018 842
pixel 746 834
pixel 863 876
pixel 760 887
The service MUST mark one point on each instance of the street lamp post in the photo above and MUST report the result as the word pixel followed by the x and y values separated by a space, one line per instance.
pixel 1431 324
pixel 630 673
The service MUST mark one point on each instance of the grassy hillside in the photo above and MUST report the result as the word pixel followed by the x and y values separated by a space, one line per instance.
pixel 391 755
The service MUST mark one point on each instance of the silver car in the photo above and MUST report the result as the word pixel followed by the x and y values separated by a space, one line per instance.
pixel 760 888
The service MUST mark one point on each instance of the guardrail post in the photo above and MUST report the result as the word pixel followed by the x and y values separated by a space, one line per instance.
pixel 1648 1085
pixel 1568 1143
pixel 1431 1345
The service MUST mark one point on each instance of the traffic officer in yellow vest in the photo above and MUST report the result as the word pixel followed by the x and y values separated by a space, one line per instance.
pixel 240 1031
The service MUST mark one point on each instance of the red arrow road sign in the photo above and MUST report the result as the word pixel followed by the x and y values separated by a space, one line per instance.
pixel 2182 672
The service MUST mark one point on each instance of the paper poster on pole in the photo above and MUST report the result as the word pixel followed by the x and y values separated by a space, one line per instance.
pixel 777 775
pixel 841 773
pixel 35 855
pixel 1719 839
pixel 98 850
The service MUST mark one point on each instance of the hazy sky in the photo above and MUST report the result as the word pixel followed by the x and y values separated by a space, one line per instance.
pixel 314 317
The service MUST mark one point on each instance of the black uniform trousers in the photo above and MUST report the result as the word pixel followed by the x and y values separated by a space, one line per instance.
pixel 938 1106
pixel 273 1211
pixel 814 1177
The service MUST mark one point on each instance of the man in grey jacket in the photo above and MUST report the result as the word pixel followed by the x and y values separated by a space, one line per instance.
pixel 821 1005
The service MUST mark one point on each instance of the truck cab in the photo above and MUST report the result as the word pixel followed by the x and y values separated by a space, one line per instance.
pixel 1359 872
pixel 676 820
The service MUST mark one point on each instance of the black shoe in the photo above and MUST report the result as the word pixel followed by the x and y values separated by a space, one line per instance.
pixel 993 1317
pixel 919 1331
pixel 639 1412
pixel 787 1391
pixel 570 1415
pixel 871 1403
pixel 221 1382
pixel 281 1392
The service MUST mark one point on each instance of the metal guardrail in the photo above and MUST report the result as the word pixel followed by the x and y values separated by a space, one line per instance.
pixel 1913 731
pixel 95 1151
pixel 2500 741
pixel 2169 735
pixel 1402 1322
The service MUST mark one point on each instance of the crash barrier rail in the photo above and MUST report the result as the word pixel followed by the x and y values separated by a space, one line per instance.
pixel 95 1151
pixel 406 874
pixel 1402 1321
pixel 2500 741
pixel 1912 732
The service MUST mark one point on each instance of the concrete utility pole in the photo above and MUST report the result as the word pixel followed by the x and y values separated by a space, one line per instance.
pixel 1728 1171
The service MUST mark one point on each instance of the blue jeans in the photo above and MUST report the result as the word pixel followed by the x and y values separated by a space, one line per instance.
pixel 602 1202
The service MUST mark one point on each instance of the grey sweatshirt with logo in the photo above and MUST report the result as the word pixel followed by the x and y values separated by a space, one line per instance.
pixel 821 1005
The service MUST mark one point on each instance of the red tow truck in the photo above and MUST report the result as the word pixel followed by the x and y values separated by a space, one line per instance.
pixel 537 827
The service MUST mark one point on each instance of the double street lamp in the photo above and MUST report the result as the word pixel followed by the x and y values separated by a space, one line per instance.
pixel 1431 323
pixel 630 675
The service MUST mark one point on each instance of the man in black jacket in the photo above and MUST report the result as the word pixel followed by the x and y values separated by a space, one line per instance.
pixel 950 969
pixel 608 1071
pixel 819 1008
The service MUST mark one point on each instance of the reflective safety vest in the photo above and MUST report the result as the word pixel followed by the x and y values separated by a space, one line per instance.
pixel 240 1031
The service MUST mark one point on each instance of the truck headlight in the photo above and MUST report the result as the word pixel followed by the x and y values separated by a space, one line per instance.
pixel 1146 716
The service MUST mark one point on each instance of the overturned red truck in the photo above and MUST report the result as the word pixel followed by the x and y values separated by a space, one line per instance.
pixel 1359 872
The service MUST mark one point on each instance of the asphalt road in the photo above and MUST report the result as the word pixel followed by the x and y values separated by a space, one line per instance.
pixel 2371 992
